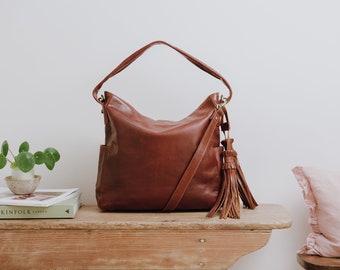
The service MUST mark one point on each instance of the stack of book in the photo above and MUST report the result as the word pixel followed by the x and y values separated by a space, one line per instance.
pixel 43 203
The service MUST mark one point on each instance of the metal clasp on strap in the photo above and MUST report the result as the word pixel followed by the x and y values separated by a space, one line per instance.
pixel 222 102
pixel 101 99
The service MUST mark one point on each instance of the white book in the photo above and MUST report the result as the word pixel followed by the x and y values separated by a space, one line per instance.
pixel 40 198
pixel 64 209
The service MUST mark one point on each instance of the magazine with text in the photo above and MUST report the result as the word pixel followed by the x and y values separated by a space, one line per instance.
pixel 41 197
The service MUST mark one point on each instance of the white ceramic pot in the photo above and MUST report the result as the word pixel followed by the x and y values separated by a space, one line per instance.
pixel 21 183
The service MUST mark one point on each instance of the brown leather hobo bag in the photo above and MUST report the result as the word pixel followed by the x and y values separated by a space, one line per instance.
pixel 160 165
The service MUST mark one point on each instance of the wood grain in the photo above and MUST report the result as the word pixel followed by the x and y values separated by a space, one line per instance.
pixel 310 262
pixel 265 216
pixel 95 240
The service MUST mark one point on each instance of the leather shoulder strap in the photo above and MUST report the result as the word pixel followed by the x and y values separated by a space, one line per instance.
pixel 139 52
pixel 194 163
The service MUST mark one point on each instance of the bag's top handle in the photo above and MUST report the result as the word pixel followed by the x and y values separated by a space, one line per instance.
pixel 139 52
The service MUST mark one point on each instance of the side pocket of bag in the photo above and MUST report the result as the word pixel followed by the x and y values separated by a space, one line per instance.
pixel 100 184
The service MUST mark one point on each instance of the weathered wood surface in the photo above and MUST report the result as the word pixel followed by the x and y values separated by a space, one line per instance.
pixel 309 262
pixel 264 217
pixel 95 240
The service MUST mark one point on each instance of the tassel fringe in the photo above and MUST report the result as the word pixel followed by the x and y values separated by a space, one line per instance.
pixel 234 186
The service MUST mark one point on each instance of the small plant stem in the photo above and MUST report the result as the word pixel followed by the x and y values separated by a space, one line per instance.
pixel 12 156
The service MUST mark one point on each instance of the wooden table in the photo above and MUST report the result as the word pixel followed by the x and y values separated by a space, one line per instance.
pixel 96 240
pixel 310 262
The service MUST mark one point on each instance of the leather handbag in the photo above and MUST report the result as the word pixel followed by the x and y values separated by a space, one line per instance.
pixel 160 165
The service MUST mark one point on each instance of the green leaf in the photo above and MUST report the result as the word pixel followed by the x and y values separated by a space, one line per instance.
pixel 40 157
pixel 4 148
pixel 49 162
pixel 52 156
pixel 54 152
pixel 25 161
pixel 24 147
pixel 3 161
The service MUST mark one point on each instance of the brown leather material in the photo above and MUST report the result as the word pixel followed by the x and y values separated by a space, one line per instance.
pixel 160 165
pixel 138 53
pixel 234 186
pixel 194 163
pixel 143 159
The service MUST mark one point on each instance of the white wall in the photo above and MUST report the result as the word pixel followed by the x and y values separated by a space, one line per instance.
pixel 282 59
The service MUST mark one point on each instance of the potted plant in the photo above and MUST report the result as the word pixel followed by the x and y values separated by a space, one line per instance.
pixel 23 180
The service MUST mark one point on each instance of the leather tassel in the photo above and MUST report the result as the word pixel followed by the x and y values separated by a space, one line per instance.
pixel 233 186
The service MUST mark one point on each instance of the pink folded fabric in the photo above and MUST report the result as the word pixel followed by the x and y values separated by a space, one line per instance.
pixel 321 192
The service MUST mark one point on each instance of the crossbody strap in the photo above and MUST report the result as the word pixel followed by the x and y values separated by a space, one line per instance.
pixel 194 163
pixel 139 52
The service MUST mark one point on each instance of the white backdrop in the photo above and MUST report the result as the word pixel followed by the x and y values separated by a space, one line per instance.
pixel 281 58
